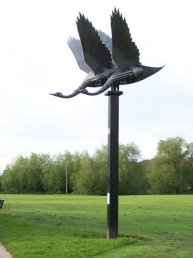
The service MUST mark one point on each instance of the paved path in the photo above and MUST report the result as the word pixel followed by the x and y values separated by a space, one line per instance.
pixel 4 253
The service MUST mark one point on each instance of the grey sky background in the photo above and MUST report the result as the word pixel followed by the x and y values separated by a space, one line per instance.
pixel 35 60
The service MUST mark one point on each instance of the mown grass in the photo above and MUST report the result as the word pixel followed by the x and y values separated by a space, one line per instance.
pixel 60 226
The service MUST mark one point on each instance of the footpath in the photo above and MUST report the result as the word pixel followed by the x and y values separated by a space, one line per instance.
pixel 4 253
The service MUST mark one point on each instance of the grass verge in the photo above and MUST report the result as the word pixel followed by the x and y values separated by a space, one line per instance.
pixel 60 226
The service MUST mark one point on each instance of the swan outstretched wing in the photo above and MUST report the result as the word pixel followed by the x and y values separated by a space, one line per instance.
pixel 106 40
pixel 124 51
pixel 76 48
pixel 96 54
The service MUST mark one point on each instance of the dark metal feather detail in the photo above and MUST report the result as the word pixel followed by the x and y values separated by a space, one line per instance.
pixel 106 40
pixel 76 48
pixel 96 54
pixel 124 52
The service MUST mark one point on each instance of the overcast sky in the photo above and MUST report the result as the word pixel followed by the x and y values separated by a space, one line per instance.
pixel 35 60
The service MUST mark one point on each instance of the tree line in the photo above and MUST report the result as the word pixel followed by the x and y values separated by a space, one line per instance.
pixel 169 172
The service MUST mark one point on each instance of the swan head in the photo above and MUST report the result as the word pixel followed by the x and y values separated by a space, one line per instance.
pixel 57 94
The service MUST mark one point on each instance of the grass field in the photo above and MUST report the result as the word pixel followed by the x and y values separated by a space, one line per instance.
pixel 60 226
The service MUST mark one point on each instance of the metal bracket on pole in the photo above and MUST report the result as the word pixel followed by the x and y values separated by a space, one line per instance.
pixel 113 161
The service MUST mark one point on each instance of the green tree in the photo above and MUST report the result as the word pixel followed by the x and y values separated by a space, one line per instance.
pixel 100 168
pixel 34 171
pixel 52 180
pixel 188 169
pixel 24 175
pixel 70 166
pixel 54 172
pixel 167 174
pixel 131 176
pixel 14 178
pixel 84 179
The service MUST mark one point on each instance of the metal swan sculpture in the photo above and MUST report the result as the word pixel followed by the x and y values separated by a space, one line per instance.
pixel 125 53
pixel 92 56
pixel 108 62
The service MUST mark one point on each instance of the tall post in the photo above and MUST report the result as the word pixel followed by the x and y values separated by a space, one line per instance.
pixel 66 180
pixel 113 162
